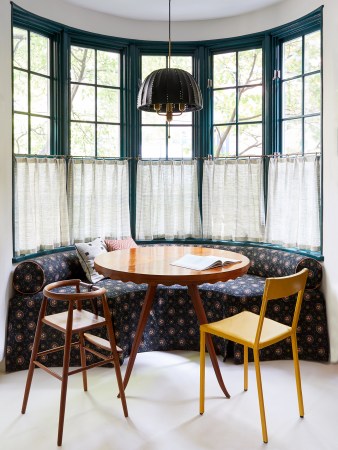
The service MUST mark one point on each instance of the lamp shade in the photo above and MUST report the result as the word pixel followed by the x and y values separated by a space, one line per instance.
pixel 169 86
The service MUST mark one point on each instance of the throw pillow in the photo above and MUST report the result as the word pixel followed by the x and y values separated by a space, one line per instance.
pixel 120 244
pixel 87 251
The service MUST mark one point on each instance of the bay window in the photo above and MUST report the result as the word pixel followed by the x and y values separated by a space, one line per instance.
pixel 225 173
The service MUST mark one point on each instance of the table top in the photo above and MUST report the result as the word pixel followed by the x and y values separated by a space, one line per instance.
pixel 151 265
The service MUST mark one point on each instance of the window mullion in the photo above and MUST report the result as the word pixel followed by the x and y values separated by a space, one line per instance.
pixel 29 90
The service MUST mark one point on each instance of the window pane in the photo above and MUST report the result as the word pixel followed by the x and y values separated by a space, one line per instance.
pixel 40 136
pixel 225 70
pixel 243 103
pixel 20 134
pixel 250 67
pixel 292 98
pixel 82 65
pixel 39 54
pixel 20 91
pixel 20 48
pixel 108 141
pixel 83 102
pixel 292 136
pixel 250 140
pixel 40 95
pixel 225 106
pixel 151 63
pixel 312 94
pixel 292 58
pixel 182 62
pixel 97 103
pixel 82 139
pixel 152 118
pixel 312 56
pixel 108 68
pixel 108 105
pixel 180 142
pixel 312 131
pixel 184 119
pixel 154 142
pixel 224 141
pixel 250 104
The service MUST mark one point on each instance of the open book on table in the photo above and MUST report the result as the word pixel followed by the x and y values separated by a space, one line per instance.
pixel 196 262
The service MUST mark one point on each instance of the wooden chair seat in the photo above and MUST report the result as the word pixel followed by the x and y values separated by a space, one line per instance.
pixel 82 321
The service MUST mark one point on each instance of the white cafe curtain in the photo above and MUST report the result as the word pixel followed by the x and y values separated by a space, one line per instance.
pixel 167 200
pixel 98 197
pixel 40 202
pixel 293 206
pixel 233 200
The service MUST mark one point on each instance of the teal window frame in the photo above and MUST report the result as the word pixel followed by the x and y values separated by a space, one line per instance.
pixel 62 37
pixel 96 86
pixel 236 123
pixel 164 123
pixel 30 72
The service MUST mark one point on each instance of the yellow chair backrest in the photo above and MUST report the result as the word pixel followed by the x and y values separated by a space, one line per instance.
pixel 280 288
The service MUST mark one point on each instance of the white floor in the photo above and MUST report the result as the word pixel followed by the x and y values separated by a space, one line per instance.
pixel 162 398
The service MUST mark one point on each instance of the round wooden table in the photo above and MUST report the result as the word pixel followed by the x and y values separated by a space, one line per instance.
pixel 151 265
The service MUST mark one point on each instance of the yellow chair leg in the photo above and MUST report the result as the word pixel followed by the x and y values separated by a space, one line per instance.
pixel 297 374
pixel 260 396
pixel 245 367
pixel 202 371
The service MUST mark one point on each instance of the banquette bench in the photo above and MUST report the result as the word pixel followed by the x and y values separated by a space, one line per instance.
pixel 172 324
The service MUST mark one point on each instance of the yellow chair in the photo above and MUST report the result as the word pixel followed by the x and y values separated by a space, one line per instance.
pixel 257 331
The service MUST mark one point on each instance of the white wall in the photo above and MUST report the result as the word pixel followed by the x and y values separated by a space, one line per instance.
pixel 283 12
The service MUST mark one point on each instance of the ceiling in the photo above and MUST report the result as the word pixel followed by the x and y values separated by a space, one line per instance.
pixel 181 10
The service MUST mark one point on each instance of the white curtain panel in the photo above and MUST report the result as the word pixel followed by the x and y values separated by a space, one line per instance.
pixel 167 200
pixel 41 213
pixel 98 198
pixel 293 209
pixel 233 200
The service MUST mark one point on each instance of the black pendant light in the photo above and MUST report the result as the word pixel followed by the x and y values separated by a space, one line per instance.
pixel 169 92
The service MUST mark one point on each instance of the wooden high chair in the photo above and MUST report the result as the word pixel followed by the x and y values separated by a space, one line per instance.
pixel 75 321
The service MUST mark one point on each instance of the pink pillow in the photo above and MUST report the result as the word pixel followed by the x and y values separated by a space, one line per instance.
pixel 120 244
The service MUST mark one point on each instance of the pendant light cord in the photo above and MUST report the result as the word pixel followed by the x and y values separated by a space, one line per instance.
pixel 169 31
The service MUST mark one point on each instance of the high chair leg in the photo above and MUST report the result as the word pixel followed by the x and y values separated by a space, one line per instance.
pixel 65 371
pixel 83 361
pixel 112 341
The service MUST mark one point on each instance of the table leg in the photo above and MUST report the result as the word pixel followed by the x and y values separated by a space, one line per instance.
pixel 148 301
pixel 202 318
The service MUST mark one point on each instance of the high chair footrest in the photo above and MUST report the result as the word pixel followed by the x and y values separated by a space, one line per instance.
pixel 100 342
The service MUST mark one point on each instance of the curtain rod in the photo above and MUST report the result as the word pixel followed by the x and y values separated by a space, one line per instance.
pixel 117 158
pixel 139 158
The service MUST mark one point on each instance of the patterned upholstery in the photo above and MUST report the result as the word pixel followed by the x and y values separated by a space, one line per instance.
pixel 172 324
pixel 31 276
pixel 266 262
